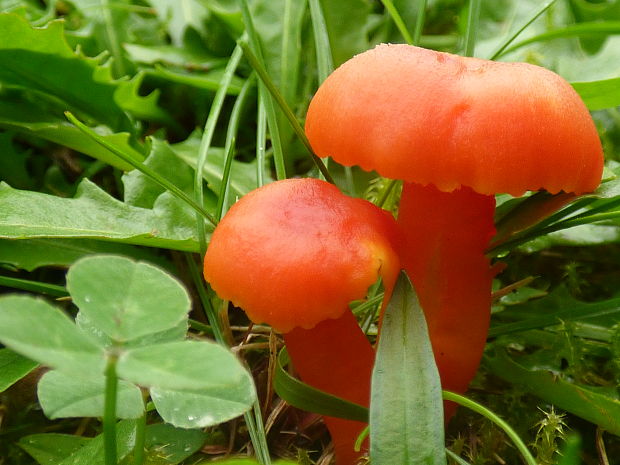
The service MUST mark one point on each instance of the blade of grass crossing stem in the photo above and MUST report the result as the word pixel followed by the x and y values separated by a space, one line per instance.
pixel 270 111
pixel 109 412
pixel 474 406
pixel 207 136
pixel 419 22
pixel 456 458
pixel 398 20
pixel 266 80
pixel 153 175
pixel 229 146
pixel 261 141
pixel 406 410
pixel 473 18
pixel 511 39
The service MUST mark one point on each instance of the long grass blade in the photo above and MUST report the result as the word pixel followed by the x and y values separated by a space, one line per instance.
pixel 207 136
pixel 473 18
pixel 398 20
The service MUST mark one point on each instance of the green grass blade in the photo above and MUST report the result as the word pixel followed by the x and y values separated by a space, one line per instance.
pixel 152 174
pixel 272 119
pixel 207 136
pixel 482 410
pixel 262 73
pixel 512 38
pixel 324 59
pixel 229 147
pixel 419 22
pixel 33 286
pixel 261 142
pixel 398 20
pixel 473 17
pixel 574 30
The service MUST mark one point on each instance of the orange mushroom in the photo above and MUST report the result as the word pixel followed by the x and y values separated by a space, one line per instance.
pixel 456 130
pixel 294 254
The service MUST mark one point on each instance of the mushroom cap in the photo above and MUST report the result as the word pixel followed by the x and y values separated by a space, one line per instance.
pixel 296 252
pixel 435 118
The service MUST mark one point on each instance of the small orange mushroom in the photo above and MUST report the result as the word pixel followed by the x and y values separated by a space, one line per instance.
pixel 294 254
pixel 457 130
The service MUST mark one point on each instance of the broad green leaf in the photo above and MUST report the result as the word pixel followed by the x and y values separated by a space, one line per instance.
pixel 92 214
pixel 52 448
pixel 167 445
pixel 599 95
pixel 406 409
pixel 27 54
pixel 13 367
pixel 27 118
pixel 34 328
pixel 30 254
pixel 64 396
pixel 186 365
pixel 585 402
pixel 92 452
pixel 205 407
pixel 126 299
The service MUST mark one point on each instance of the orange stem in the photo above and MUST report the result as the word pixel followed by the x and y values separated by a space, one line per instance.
pixel 446 235
pixel 335 356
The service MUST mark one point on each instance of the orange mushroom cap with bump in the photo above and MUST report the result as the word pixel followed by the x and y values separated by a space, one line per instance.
pixel 435 118
pixel 296 252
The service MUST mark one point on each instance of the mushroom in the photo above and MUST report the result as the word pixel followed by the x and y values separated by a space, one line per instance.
pixel 294 254
pixel 457 130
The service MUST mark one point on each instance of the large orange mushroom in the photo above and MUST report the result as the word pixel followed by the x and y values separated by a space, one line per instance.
pixel 457 130
pixel 294 254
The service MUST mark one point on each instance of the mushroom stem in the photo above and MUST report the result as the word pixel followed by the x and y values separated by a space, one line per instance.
pixel 336 357
pixel 445 238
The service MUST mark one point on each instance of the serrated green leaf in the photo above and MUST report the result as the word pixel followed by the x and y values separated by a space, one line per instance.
pixel 186 365
pixel 34 328
pixel 13 367
pixel 52 448
pixel 27 54
pixel 93 214
pixel 209 80
pixel 128 98
pixel 179 15
pixel 64 396
pixel 406 409
pixel 176 56
pixel 126 299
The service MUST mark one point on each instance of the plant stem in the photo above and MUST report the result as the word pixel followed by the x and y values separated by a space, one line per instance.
pixel 419 22
pixel 109 412
pixel 138 451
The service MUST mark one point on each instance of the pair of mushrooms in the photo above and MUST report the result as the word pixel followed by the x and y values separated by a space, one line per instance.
pixel 456 130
